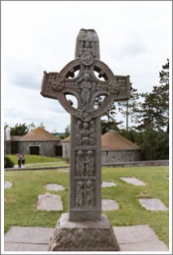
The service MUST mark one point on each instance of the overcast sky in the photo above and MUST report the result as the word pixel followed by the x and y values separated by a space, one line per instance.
pixel 135 39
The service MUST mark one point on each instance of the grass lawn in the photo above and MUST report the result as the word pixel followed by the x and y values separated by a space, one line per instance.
pixel 21 199
pixel 37 161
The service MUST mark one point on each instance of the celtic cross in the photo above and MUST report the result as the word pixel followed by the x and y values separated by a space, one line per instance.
pixel 86 78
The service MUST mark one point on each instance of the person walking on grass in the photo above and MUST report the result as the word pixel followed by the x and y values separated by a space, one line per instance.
pixel 19 156
pixel 23 160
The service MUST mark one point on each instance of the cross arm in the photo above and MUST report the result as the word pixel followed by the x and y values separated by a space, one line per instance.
pixel 124 87
pixel 48 84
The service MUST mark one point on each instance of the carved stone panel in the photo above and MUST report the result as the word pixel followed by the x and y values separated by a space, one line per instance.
pixel 85 176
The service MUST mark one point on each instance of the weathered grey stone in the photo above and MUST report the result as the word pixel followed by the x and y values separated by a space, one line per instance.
pixel 27 239
pixel 54 186
pixel 49 202
pixel 109 205
pixel 83 236
pixel 130 238
pixel 138 238
pixel 152 204
pixel 149 246
pixel 87 79
pixel 108 184
pixel 28 235
pixel 7 185
pixel 86 86
pixel 133 181
pixel 138 234
pixel 25 247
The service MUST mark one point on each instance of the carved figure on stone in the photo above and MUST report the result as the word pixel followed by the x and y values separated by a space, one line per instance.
pixel 81 49
pixel 87 47
pixel 123 86
pixel 86 89
pixel 79 193
pixel 78 135
pixel 85 134
pixel 90 193
pixel 89 161
pixel 80 163
pixel 92 133
pixel 93 49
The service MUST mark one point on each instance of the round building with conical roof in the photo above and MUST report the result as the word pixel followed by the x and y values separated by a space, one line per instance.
pixel 40 142
pixel 116 148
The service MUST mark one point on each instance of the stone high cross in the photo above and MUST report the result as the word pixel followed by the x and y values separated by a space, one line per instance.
pixel 86 78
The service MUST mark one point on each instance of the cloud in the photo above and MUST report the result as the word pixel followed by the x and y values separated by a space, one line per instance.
pixel 135 40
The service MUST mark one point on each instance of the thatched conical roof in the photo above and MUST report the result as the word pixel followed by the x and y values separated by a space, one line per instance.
pixel 112 140
pixel 39 134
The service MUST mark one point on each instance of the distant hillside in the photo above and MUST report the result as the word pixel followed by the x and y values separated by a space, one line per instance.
pixel 58 134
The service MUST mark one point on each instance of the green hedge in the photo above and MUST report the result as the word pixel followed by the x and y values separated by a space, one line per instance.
pixel 8 163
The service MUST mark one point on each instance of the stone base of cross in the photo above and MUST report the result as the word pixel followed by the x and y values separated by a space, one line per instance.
pixel 83 236
pixel 87 79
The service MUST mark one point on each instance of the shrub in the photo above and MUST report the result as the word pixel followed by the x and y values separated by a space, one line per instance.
pixel 8 163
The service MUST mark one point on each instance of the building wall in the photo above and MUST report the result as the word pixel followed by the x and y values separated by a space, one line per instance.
pixel 108 156
pixel 46 148
pixel 120 156
pixel 66 150
pixel 7 147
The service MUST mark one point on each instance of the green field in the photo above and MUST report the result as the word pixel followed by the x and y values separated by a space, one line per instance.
pixel 36 159
pixel 21 199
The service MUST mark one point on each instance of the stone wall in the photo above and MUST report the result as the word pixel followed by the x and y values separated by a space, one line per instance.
pixel 120 156
pixel 46 148
pixel 7 147
pixel 109 156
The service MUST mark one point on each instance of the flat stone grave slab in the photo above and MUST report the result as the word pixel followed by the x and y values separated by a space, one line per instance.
pixel 54 187
pixel 152 204
pixel 130 238
pixel 138 238
pixel 108 184
pixel 49 202
pixel 27 239
pixel 133 180
pixel 7 185
pixel 109 205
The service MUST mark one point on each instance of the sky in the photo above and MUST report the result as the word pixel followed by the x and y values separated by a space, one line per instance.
pixel 135 39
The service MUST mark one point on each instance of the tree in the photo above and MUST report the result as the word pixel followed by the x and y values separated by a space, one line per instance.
pixel 31 126
pixel 67 131
pixel 19 129
pixel 128 107
pixel 41 125
pixel 151 116
pixel 6 125
pixel 106 126
pixel 154 110
pixel 108 118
